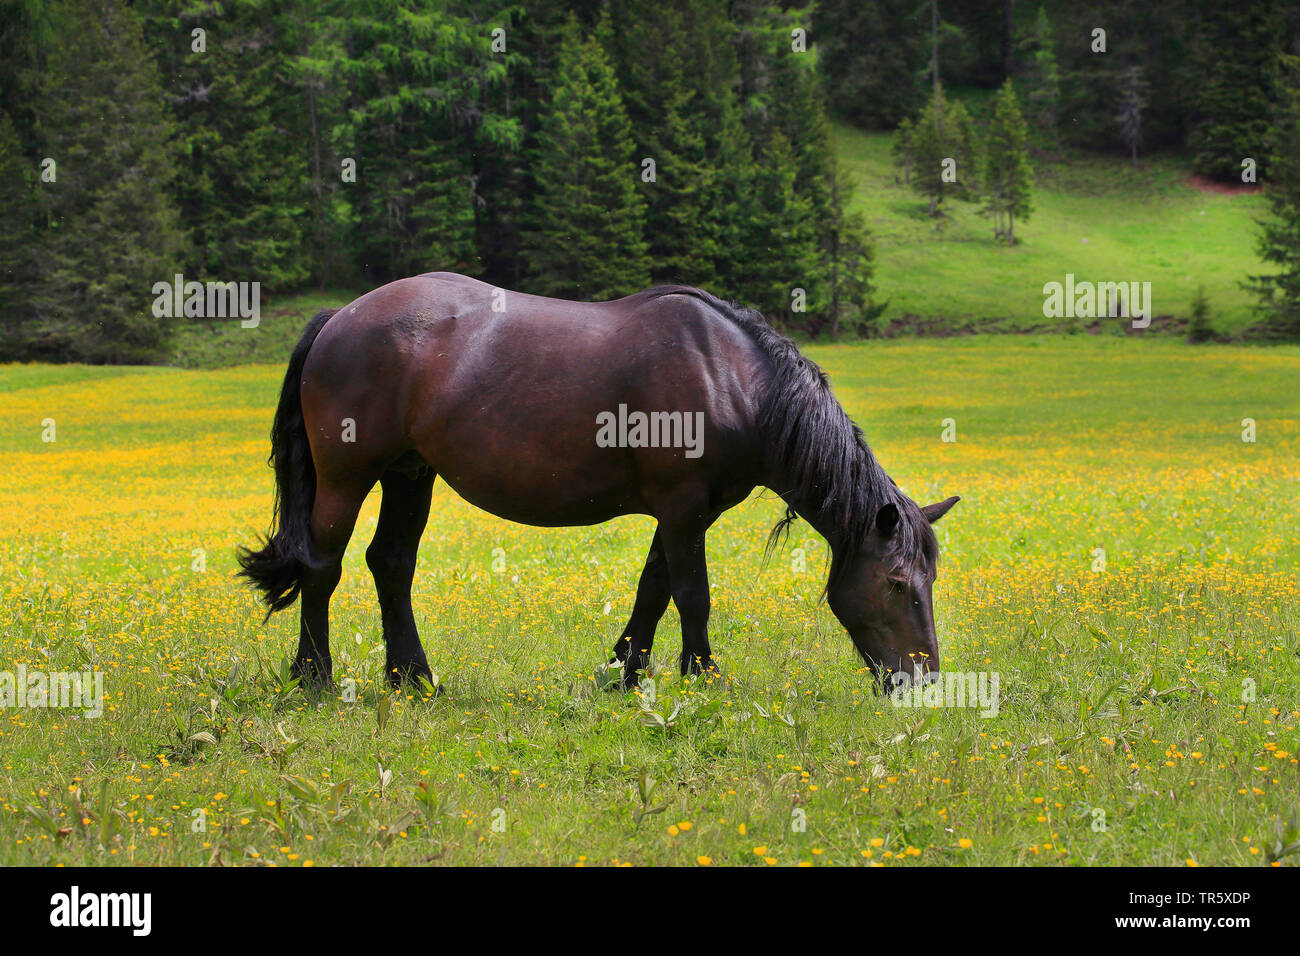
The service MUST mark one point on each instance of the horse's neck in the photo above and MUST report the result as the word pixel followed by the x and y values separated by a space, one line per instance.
pixel 810 510
pixel 809 504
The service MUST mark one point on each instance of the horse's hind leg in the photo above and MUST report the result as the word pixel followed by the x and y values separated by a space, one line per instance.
pixel 333 515
pixel 652 594
pixel 689 584
pixel 403 514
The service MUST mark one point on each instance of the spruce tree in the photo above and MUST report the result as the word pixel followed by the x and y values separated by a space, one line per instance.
pixel 110 229
pixel 901 147
pixel 798 112
pixel 1278 292
pixel 850 261
pixel 1007 175
pixel 652 51
pixel 775 242
pixel 17 235
pixel 871 53
pixel 1199 328
pixel 587 239
pixel 243 190
pixel 945 152
pixel 1044 83
pixel 422 80
pixel 1237 53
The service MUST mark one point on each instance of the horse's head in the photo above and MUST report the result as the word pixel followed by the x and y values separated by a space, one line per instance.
pixel 882 595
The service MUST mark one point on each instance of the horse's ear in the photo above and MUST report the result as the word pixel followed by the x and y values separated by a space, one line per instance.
pixel 887 519
pixel 940 508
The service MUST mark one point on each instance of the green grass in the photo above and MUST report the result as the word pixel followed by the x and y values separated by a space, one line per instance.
pixel 1094 216
pixel 220 343
pixel 1147 711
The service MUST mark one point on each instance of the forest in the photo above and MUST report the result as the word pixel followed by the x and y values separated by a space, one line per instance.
pixel 585 149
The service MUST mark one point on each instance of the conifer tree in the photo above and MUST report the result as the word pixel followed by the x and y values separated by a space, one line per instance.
pixel 1007 174
pixel 945 152
pixel 17 235
pixel 652 51
pixel 901 147
pixel 109 227
pixel 587 238
pixel 1237 53
pixel 1278 292
pixel 420 78
pixel 871 52
pixel 775 243
pixel 850 260
pixel 243 191
pixel 1044 83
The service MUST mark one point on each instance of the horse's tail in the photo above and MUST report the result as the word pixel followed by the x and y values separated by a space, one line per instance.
pixel 276 567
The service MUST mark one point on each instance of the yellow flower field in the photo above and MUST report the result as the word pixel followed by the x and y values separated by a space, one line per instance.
pixel 1122 559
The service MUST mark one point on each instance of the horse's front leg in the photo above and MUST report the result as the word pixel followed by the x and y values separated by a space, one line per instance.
pixel 652 594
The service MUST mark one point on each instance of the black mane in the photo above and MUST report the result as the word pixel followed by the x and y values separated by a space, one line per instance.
pixel 834 477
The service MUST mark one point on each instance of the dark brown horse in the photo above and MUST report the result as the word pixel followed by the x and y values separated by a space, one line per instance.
pixel 669 403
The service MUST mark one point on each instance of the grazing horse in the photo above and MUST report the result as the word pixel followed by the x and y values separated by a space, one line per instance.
pixel 669 403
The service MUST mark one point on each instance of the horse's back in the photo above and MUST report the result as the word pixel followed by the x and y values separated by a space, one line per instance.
pixel 502 391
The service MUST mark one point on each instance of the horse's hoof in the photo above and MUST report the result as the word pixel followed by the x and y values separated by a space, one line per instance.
pixel 707 668
pixel 313 675
pixel 632 676
pixel 414 674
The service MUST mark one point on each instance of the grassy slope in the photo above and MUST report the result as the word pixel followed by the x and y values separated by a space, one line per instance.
pixel 1145 225
pixel 1121 691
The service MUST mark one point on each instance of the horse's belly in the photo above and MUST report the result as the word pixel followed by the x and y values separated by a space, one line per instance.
pixel 556 497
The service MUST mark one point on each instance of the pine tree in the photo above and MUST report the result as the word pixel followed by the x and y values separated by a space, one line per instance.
pixel 850 260
pixel 1198 326
pixel 422 80
pixel 798 112
pixel 313 45
pixel 1278 293
pixel 901 147
pixel 945 152
pixel 587 239
pixel 871 53
pixel 17 236
pixel 1237 54
pixel 109 227
pixel 243 191
pixel 776 245
pixel 1007 173
pixel 966 152
pixel 1043 82
pixel 651 50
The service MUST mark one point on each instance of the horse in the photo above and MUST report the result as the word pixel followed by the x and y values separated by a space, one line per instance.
pixel 669 402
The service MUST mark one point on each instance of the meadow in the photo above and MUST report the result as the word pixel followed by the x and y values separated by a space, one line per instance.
pixel 1096 216
pixel 1121 558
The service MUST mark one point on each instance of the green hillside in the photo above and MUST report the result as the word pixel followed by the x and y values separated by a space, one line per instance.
pixel 1095 216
